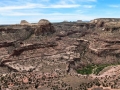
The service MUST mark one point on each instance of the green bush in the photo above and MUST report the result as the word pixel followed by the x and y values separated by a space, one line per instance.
pixel 100 68
pixel 87 70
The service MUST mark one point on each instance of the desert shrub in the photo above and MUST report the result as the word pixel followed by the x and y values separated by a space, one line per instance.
pixel 86 70
pixel 100 68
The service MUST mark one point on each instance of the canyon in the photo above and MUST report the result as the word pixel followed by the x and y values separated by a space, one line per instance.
pixel 60 56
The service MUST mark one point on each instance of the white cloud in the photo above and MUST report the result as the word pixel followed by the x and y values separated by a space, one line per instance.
pixel 19 14
pixel 32 5
pixel 44 0
pixel 79 11
pixel 36 14
pixel 66 1
pixel 88 6
pixel 114 6
pixel 27 6
pixel 28 9
pixel 75 1
pixel 88 0
pixel 92 0
pixel 63 6
pixel 41 6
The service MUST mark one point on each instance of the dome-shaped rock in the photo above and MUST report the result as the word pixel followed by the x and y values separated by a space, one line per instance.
pixel 44 28
pixel 44 22
pixel 24 22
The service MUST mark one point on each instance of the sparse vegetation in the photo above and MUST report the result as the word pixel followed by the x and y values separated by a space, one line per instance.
pixel 93 69
pixel 100 68
pixel 86 70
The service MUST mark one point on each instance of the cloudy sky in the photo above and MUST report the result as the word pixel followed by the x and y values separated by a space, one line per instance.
pixel 13 11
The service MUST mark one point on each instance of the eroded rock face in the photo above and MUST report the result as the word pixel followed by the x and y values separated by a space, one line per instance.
pixel 109 24
pixel 44 28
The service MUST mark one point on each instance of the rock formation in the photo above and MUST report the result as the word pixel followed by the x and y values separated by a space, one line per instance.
pixel 44 27
pixel 24 22
pixel 36 58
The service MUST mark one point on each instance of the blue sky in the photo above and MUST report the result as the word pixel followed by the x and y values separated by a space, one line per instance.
pixel 13 11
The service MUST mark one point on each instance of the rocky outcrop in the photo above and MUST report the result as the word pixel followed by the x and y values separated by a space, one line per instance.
pixel 44 22
pixel 107 24
pixel 24 22
pixel 105 20
pixel 44 28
